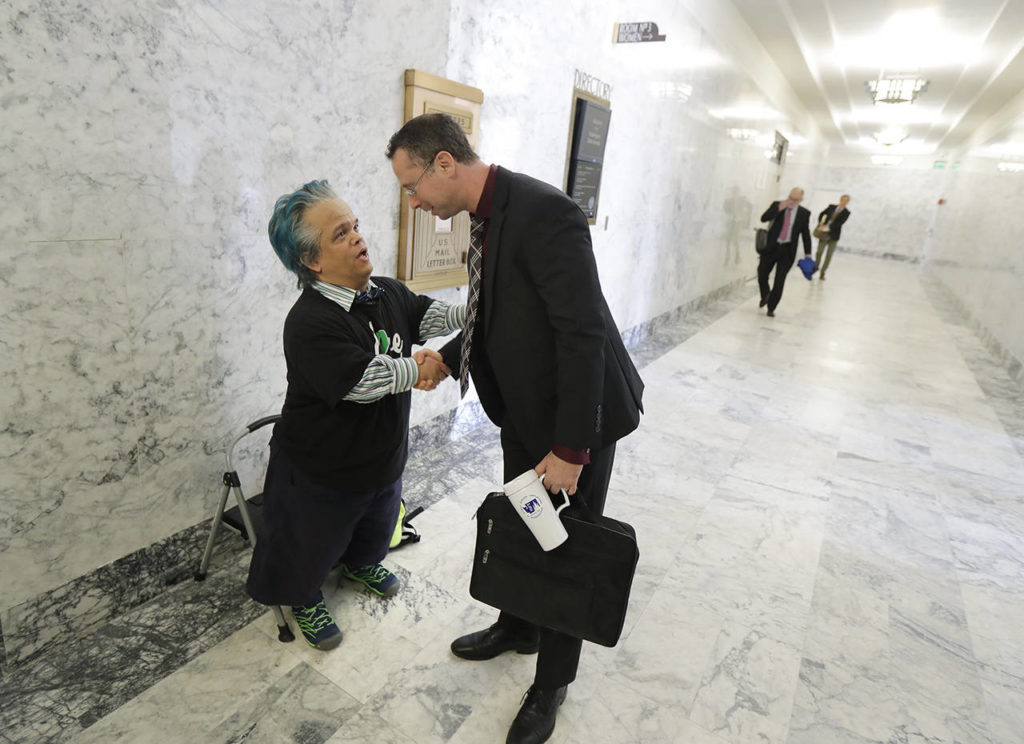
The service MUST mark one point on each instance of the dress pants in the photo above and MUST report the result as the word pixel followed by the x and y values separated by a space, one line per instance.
pixel 559 654
pixel 830 245
pixel 780 256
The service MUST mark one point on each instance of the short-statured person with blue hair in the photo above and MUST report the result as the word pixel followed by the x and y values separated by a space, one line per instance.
pixel 334 480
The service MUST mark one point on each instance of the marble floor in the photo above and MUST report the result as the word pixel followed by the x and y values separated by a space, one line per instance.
pixel 830 512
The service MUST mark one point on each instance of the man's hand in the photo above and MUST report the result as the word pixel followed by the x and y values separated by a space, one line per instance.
pixel 559 474
pixel 422 354
pixel 431 368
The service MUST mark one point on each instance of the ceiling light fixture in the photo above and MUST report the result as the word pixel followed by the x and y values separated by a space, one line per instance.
pixel 1011 167
pixel 895 88
pixel 891 136
pixel 750 112
pixel 741 134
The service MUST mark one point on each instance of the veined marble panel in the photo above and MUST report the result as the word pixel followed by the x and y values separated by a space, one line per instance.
pixel 59 124
pixel 975 254
pixel 57 618
pixel 63 693
pixel 70 439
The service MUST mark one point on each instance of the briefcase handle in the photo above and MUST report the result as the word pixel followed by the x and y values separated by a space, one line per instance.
pixel 584 507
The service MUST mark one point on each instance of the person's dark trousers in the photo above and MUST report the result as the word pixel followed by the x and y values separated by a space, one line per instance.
pixel 308 528
pixel 781 257
pixel 559 654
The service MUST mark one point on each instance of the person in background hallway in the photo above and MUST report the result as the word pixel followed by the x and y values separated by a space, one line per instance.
pixel 789 222
pixel 543 353
pixel 834 216
pixel 737 216
pixel 334 479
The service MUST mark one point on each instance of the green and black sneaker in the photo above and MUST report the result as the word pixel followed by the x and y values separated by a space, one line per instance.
pixel 377 578
pixel 317 625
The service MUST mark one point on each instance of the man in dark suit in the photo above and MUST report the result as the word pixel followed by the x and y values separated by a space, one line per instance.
pixel 789 221
pixel 542 350
pixel 834 215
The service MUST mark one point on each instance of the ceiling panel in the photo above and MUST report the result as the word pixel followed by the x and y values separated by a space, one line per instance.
pixel 970 51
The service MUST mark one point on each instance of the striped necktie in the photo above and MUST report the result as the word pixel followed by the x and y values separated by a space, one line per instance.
pixel 475 266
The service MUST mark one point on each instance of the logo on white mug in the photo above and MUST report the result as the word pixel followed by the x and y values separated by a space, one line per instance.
pixel 532 507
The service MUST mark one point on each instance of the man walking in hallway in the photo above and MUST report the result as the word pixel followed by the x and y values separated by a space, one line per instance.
pixel 833 217
pixel 789 220
pixel 543 352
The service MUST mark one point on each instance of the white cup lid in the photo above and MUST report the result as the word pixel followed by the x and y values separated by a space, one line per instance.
pixel 525 480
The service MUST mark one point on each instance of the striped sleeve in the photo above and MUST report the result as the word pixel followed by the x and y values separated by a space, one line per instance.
pixel 441 319
pixel 384 375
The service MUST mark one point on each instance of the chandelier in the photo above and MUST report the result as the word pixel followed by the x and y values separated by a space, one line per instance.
pixel 896 88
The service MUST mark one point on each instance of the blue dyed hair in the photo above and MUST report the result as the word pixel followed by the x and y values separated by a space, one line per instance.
pixel 294 241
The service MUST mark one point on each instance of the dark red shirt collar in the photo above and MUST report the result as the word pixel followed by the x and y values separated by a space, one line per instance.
pixel 483 207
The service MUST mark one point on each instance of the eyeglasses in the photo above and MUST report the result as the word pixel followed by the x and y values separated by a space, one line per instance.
pixel 411 190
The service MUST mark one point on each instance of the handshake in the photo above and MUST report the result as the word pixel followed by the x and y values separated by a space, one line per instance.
pixel 431 368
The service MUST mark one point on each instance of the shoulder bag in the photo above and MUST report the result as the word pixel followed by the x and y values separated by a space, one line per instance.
pixel 760 239
pixel 823 230
pixel 580 588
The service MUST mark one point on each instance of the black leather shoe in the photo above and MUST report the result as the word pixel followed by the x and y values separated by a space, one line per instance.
pixel 771 313
pixel 763 302
pixel 535 721
pixel 488 643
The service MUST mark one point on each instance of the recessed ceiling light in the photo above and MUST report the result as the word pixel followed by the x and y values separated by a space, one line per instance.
pixel 892 116
pixel 910 40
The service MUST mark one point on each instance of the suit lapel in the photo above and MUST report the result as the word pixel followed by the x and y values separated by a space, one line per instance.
pixel 500 199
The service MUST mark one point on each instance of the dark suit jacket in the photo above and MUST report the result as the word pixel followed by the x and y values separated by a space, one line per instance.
pixel 836 228
pixel 799 226
pixel 547 355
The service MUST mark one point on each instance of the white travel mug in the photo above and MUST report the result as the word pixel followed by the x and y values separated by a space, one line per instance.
pixel 532 502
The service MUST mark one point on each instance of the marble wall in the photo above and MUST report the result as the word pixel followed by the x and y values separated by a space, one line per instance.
pixel 663 232
pixel 144 145
pixel 891 209
pixel 976 252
